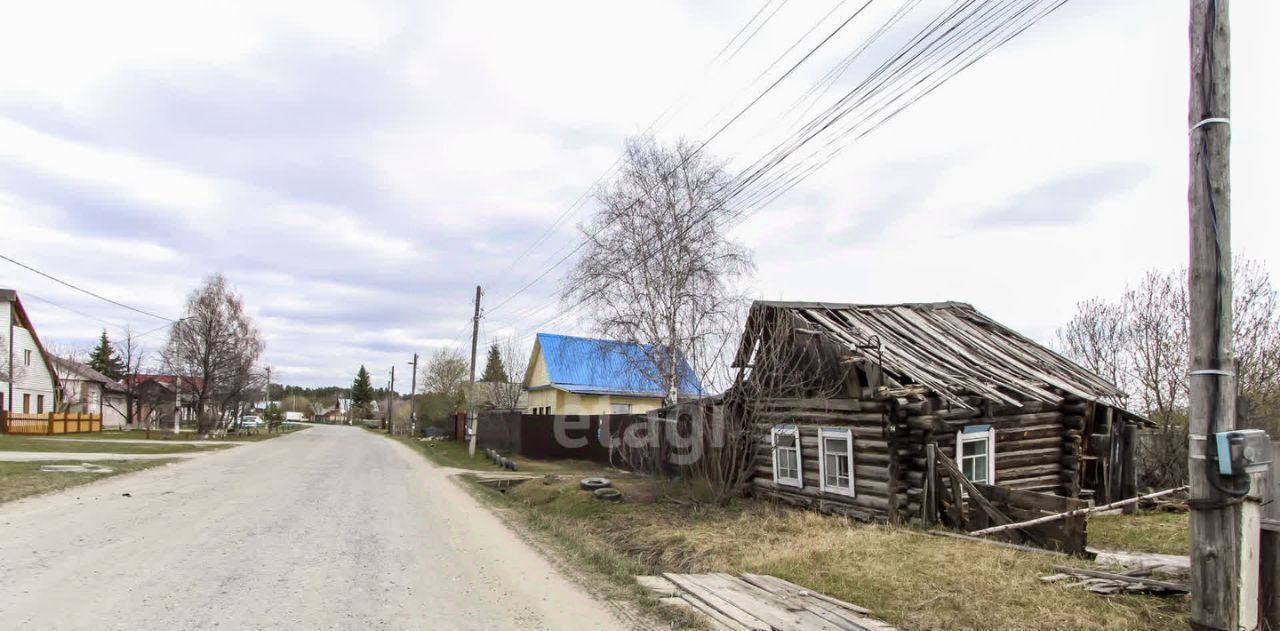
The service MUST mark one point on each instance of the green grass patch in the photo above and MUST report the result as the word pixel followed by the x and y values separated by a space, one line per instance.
pixel 23 479
pixel 13 442
pixel 909 578
pixel 1163 533
pixel 163 435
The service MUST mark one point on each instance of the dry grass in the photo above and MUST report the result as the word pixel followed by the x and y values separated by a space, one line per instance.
pixel 23 479
pixel 450 453
pixel 1165 533
pixel 909 578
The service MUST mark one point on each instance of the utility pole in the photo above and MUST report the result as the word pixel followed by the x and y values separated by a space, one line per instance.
pixel 471 404
pixel 1224 520
pixel 267 410
pixel 391 397
pixel 413 397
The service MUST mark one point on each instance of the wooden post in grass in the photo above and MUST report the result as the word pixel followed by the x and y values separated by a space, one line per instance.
pixel 1270 580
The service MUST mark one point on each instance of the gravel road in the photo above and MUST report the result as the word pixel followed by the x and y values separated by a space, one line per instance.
pixel 328 528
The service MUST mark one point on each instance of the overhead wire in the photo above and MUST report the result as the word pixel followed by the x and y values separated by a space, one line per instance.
pixel 83 290
pixel 1002 26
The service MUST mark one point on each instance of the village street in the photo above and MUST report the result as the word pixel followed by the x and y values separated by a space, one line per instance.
pixel 328 528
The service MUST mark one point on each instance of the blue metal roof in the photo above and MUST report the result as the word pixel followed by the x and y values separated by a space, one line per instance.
pixel 591 366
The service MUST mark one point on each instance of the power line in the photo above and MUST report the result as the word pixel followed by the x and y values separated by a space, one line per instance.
pixel 27 294
pixel 83 290
pixel 938 44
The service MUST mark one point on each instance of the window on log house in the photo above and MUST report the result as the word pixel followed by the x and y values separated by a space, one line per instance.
pixel 975 453
pixel 786 456
pixel 835 459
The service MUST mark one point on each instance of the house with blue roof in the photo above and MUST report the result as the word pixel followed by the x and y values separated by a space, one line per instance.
pixel 578 375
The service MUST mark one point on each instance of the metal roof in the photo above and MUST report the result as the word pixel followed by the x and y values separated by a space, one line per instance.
pixel 593 366
pixel 950 348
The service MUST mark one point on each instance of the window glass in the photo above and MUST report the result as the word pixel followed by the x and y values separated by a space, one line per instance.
pixel 837 461
pixel 787 469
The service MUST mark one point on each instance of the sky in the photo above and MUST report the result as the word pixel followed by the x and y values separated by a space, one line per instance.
pixel 355 169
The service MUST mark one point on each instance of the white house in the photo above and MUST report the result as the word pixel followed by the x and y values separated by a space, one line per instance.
pixel 86 390
pixel 27 379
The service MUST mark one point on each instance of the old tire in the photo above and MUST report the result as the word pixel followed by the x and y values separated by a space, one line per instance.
pixel 592 484
pixel 608 494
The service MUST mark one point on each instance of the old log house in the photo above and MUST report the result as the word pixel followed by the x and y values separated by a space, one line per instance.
pixel 862 410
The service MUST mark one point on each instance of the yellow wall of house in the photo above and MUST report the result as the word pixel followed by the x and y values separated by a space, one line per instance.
pixel 562 402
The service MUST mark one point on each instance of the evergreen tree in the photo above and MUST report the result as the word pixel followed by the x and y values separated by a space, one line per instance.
pixel 494 370
pixel 361 389
pixel 105 360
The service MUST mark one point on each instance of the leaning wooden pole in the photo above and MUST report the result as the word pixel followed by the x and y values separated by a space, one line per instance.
pixel 1072 513
pixel 1224 539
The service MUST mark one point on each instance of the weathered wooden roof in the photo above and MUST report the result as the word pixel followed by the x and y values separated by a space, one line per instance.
pixel 949 348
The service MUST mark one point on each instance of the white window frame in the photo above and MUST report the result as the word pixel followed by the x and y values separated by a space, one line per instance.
pixel 619 408
pixel 988 436
pixel 837 433
pixel 787 430
pixel 26 357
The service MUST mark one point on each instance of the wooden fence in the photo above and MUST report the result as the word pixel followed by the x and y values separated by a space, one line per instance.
pixel 50 423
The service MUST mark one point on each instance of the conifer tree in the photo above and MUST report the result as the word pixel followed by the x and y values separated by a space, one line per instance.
pixel 361 389
pixel 105 360
pixel 494 370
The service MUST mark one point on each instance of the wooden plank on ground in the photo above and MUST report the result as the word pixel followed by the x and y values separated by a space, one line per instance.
pixel 715 601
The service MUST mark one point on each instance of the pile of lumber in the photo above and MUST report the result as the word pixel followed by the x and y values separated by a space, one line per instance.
pixel 755 602
pixel 1137 581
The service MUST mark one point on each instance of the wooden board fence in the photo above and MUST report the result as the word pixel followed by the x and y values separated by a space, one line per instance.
pixel 51 423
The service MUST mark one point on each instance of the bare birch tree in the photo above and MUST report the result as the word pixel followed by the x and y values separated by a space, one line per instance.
pixel 215 346
pixel 132 358
pixel 658 268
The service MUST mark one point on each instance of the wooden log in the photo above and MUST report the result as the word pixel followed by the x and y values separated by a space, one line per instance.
pixel 992 542
pixel 1150 582
pixel 1072 513
pixel 847 405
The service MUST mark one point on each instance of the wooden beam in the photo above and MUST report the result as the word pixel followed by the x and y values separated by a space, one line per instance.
pixel 1072 513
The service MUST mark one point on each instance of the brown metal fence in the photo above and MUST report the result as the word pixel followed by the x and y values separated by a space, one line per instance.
pixel 50 423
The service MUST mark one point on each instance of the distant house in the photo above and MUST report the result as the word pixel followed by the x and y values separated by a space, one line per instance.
pixel 85 390
pixel 577 375
pixel 162 397
pixel 501 396
pixel 339 410
pixel 28 383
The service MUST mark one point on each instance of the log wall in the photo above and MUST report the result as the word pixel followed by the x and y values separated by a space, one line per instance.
pixel 1037 448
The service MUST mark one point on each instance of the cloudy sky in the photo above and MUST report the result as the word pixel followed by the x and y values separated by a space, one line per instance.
pixel 356 168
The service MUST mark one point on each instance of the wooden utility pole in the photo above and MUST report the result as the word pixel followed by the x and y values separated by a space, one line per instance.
pixel 413 397
pixel 1224 524
pixel 391 399
pixel 471 406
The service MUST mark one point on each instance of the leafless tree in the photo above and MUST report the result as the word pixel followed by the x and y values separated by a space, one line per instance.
pixel 71 392
pixel 215 346
pixel 132 356
pixel 1141 343
pixel 446 374
pixel 658 267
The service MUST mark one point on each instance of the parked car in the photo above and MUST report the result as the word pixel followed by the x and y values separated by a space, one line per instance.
pixel 250 422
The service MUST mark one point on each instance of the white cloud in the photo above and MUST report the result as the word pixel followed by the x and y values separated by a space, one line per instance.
pixel 357 167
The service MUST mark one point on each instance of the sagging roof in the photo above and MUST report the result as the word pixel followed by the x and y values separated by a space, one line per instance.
pixel 948 347
pixel 592 366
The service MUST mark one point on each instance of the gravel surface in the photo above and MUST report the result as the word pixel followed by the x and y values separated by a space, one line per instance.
pixel 329 528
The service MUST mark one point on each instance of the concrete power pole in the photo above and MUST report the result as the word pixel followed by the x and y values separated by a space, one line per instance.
pixel 1224 519
pixel 413 397
pixel 391 399
pixel 472 421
